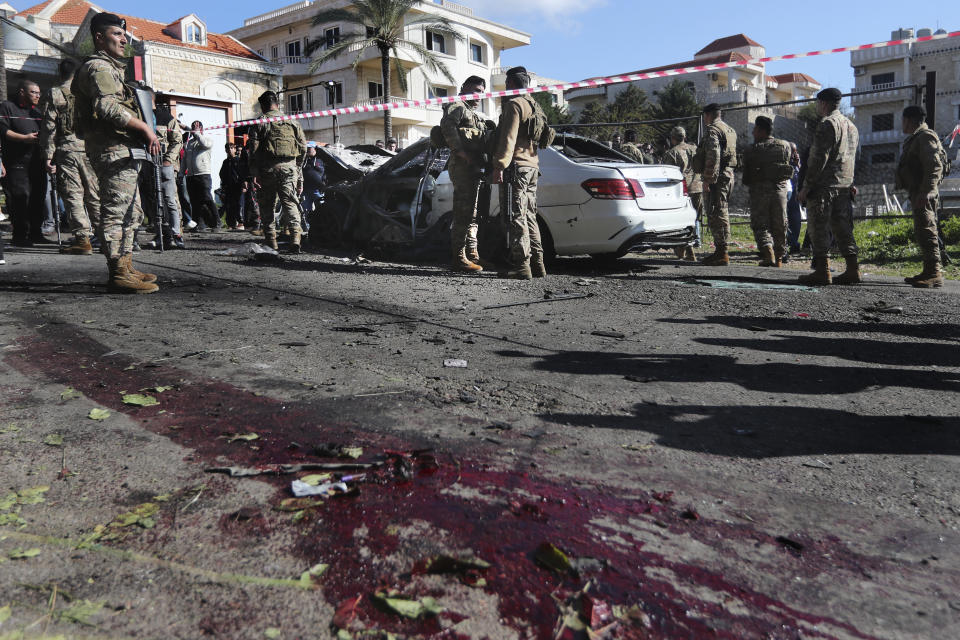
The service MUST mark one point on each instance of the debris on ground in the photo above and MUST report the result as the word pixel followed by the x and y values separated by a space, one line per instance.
pixel 817 464
pixel 407 607
pixel 326 490
pixel 248 249
pixel 98 414
pixel 140 400
pixel 585 282
pixel 609 334
pixel 286 469
pixel 548 296
pixel 334 450
pixel 551 557
pixel 455 363
pixel 746 284
pixel 883 307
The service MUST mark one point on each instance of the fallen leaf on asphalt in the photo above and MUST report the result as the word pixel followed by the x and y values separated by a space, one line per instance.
pixel 246 437
pixel 81 611
pixel 54 440
pixel 20 554
pixel 552 558
pixel 70 394
pixel 307 578
pixel 407 608
pixel 346 612
pixel 272 632
pixel 5 613
pixel 98 414
pixel 351 452
pixel 140 400
pixel 33 495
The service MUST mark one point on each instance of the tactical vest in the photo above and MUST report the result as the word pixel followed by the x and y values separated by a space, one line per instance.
pixel 66 116
pixel 280 142
pixel 728 144
pixel 769 163
pixel 85 121
pixel 909 176
pixel 538 128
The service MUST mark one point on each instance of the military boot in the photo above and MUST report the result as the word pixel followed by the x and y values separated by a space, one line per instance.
pixel 689 255
pixel 522 272
pixel 932 276
pixel 537 267
pixel 852 275
pixel 821 273
pixel 719 258
pixel 144 277
pixel 270 239
pixel 295 242
pixel 122 281
pixel 767 257
pixel 79 247
pixel 779 258
pixel 461 263
pixel 473 255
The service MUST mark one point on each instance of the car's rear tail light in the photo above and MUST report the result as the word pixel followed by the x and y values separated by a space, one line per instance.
pixel 613 188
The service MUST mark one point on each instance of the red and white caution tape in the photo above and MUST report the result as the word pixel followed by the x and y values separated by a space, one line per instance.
pixel 597 82
pixel 953 136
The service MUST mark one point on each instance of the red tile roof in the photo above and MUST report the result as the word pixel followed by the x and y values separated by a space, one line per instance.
pixel 728 43
pixel 73 12
pixel 785 78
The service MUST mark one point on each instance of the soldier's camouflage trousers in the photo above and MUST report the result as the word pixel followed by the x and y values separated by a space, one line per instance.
pixel 716 204
pixel 78 187
pixel 925 229
pixel 768 217
pixel 136 219
pixel 830 209
pixel 466 189
pixel 522 228
pixel 279 183
pixel 118 194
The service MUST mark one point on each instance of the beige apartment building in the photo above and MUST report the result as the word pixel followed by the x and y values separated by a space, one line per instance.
pixel 282 36
pixel 742 85
pixel 887 79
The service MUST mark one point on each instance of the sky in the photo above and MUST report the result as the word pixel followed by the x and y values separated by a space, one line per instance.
pixel 577 39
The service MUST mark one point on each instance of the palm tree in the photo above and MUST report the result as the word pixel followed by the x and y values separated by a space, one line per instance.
pixel 381 24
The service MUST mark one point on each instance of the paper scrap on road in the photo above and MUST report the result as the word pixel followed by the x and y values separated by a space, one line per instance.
pixel 303 490
pixel 248 249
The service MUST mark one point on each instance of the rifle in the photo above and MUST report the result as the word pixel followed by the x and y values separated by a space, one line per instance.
pixel 55 208
pixel 145 102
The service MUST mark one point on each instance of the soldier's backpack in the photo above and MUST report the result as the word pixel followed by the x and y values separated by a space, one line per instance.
pixel 66 116
pixel 538 129
pixel 281 142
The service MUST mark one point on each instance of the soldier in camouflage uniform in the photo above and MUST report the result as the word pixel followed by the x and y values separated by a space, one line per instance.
pixel 681 155
pixel 766 169
pixel 66 159
pixel 715 160
pixel 522 132
pixel 630 148
pixel 115 134
pixel 922 167
pixel 464 132
pixel 276 154
pixel 826 191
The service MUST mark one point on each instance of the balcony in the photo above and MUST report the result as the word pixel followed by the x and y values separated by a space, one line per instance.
pixel 276 13
pixel 879 54
pixel 881 137
pixel 294 66
pixel 591 93
pixel 370 57
pixel 742 95
pixel 880 93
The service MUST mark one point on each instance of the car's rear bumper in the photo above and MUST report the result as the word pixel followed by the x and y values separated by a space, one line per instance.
pixel 659 240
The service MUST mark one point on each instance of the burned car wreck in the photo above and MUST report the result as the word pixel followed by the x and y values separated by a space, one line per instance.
pixel 592 200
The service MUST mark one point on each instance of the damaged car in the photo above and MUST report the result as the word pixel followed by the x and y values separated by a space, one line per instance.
pixel 591 200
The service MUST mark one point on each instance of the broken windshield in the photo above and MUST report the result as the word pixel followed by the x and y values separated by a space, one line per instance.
pixel 580 149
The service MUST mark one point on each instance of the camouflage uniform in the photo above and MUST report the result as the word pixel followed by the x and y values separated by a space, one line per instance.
pixel 631 150
pixel 766 169
pixel 461 126
pixel 715 160
pixel 77 183
pixel 830 168
pixel 522 128
pixel 919 172
pixel 682 156
pixel 171 141
pixel 104 106
pixel 278 175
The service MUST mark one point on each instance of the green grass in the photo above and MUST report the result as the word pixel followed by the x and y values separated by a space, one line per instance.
pixel 887 247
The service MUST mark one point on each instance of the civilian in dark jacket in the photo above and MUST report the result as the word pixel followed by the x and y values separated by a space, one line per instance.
pixel 314 179
pixel 25 182
pixel 233 185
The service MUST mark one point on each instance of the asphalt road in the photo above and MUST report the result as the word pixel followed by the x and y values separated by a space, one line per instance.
pixel 638 451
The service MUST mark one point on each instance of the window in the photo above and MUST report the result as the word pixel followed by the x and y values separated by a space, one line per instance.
pixel 882 78
pixel 293 49
pixel 334 93
pixel 371 32
pixel 437 92
pixel 274 52
pixel 295 103
pixel 260 53
pixel 883 158
pixel 375 90
pixel 194 34
pixel 308 102
pixel 331 36
pixel 436 42
pixel 476 52
pixel 883 122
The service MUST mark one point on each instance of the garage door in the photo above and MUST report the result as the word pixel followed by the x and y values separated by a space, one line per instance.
pixel 209 116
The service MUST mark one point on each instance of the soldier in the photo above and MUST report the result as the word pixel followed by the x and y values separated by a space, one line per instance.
pixel 681 155
pixel 523 130
pixel 922 167
pixel 276 154
pixel 464 132
pixel 630 148
pixel 826 191
pixel 766 169
pixel 715 159
pixel 66 160
pixel 114 132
